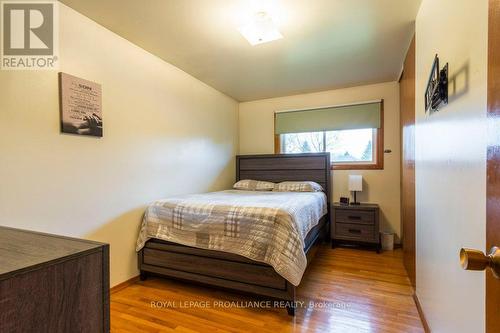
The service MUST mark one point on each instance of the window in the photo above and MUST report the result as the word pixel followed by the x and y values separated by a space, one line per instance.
pixel 359 148
pixel 351 145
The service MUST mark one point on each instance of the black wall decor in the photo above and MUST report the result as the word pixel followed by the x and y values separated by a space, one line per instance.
pixel 436 93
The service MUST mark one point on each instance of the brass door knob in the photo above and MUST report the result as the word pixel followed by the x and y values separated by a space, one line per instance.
pixel 475 260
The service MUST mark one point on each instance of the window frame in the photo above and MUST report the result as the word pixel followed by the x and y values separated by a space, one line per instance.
pixel 378 151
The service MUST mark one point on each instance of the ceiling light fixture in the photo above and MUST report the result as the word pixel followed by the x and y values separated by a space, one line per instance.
pixel 260 30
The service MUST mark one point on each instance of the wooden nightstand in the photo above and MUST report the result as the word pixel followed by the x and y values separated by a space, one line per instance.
pixel 355 224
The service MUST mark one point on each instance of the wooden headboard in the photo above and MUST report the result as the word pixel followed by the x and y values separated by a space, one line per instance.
pixel 286 167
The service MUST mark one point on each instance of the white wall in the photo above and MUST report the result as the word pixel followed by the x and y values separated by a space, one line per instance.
pixel 165 133
pixel 451 164
pixel 256 120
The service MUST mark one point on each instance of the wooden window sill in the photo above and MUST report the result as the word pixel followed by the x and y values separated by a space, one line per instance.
pixel 357 167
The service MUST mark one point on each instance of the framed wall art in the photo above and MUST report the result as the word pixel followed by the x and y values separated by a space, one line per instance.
pixel 80 106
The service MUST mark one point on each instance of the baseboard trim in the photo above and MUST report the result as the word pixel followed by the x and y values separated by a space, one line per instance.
pixel 124 284
pixel 427 329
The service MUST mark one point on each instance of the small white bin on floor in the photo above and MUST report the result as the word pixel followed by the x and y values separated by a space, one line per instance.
pixel 387 241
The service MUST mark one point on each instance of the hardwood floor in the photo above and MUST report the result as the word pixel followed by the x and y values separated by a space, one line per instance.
pixel 353 291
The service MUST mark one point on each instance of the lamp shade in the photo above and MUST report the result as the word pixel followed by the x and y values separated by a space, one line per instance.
pixel 355 183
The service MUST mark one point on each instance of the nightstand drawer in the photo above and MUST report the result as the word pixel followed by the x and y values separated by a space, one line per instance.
pixel 354 216
pixel 355 231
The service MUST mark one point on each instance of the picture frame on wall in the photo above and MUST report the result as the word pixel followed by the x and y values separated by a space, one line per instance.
pixel 436 92
pixel 80 106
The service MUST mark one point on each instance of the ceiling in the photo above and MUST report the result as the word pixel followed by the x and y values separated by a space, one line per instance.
pixel 327 43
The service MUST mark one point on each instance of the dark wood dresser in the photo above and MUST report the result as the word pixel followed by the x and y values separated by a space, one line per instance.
pixel 356 224
pixel 52 283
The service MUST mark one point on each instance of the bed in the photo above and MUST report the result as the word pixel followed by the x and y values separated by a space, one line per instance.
pixel 184 251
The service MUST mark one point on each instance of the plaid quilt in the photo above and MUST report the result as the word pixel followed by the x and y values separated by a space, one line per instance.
pixel 268 227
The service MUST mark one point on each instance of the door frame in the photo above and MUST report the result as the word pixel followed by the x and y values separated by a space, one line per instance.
pixel 407 167
pixel 492 294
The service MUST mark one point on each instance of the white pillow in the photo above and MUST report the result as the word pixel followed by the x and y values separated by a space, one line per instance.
pixel 298 187
pixel 253 185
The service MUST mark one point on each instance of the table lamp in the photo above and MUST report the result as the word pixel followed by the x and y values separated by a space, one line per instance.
pixel 355 185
